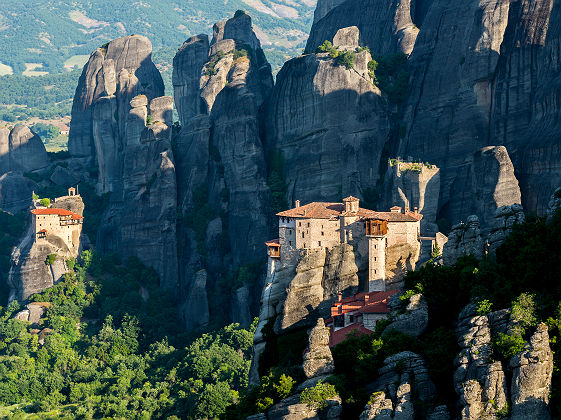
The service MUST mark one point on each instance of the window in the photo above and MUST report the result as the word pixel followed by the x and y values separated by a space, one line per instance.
pixel 302 235
pixel 300 224
pixel 375 246
pixel 308 224
pixel 375 259
pixel 321 233
pixel 375 271
pixel 319 243
pixel 290 243
pixel 290 231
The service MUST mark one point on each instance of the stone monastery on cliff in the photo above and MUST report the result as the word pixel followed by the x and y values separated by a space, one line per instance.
pixel 317 225
pixel 51 221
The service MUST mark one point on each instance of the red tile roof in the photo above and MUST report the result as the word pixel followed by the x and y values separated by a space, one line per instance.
pixel 60 212
pixel 317 210
pixel 340 335
pixel 377 303
pixel 43 231
pixel 273 242
pixel 350 198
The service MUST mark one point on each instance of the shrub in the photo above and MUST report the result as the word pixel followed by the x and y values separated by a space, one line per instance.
pixel 436 251
pixel 51 258
pixel 327 47
pixel 45 202
pixel 483 307
pixel 35 197
pixel 523 312
pixel 346 59
pixel 149 120
pixel 240 53
pixel 317 396
pixel 509 346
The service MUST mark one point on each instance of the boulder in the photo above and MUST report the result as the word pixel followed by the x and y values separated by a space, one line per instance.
pixel 318 360
pixel 26 150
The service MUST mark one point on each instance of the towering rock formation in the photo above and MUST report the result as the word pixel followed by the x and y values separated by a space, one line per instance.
pixel 220 88
pixel 122 124
pixel 115 73
pixel 330 124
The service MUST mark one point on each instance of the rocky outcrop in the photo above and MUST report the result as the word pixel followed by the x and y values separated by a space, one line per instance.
pixel 141 218
pixel 384 27
pixel 468 238
pixel 318 360
pixel 400 258
pixel 320 275
pixel 414 320
pixel 330 124
pixel 292 409
pixel 29 271
pixel 414 185
pixel 554 202
pixel 485 183
pixel 479 381
pixel 21 150
pixel 464 239
pixel 402 380
pixel 195 309
pixel 531 378
pixel 115 73
pixel 505 218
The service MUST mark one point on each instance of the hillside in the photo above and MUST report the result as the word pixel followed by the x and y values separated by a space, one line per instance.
pixel 50 39
pixel 38 36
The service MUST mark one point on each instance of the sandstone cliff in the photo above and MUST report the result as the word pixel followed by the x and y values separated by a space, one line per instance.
pixel 220 88
pixel 21 150
pixel 141 218
pixel 116 72
pixel 330 124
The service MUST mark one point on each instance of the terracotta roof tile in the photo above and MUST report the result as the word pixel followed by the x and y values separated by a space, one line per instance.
pixel 317 210
pixel 60 212
pixel 337 337
pixel 273 242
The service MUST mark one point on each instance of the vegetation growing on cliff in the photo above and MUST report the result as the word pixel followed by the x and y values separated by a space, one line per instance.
pixel 111 346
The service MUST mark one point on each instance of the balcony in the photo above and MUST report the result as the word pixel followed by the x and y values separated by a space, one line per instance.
pixel 376 227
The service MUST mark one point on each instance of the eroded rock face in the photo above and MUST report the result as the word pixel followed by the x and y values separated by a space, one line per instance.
pixel 195 309
pixel 320 275
pixel 479 381
pixel 117 72
pixel 413 186
pixel 403 379
pixel 484 184
pixel 531 378
pixel 141 218
pixel 318 360
pixel 464 239
pixel 415 319
pixel 292 409
pixel 384 27
pixel 327 152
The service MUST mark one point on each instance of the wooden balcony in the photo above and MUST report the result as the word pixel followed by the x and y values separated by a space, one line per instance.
pixel 376 227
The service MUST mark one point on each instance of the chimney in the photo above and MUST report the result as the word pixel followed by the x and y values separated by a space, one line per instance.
pixel 396 209
pixel 297 203
pixel 339 297
pixel 416 210
pixel 366 298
